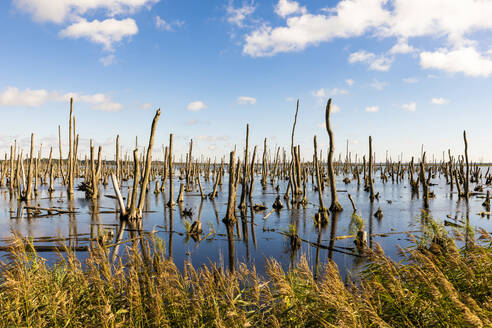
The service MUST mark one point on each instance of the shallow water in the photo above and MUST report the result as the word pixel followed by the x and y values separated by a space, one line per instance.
pixel 258 238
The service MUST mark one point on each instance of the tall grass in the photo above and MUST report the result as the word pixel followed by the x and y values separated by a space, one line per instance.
pixel 437 285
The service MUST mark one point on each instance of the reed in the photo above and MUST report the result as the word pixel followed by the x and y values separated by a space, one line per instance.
pixel 437 285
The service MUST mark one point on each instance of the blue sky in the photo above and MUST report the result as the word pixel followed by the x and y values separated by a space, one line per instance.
pixel 407 72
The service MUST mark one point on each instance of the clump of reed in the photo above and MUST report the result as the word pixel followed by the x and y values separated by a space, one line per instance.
pixel 437 285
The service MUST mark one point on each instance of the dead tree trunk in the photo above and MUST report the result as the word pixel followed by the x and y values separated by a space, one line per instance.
pixel 371 185
pixel 230 216
pixel 335 205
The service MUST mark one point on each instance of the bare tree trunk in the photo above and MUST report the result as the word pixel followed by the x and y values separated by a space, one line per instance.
pixel 467 178
pixel 369 169
pixel 230 216
pixel 335 205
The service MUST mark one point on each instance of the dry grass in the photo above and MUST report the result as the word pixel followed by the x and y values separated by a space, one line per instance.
pixel 438 286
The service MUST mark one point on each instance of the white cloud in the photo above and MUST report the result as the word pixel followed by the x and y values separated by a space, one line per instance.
pixel 410 80
pixel 402 47
pixel 76 17
pixel 336 91
pixel 378 85
pixel 13 97
pixel 464 60
pixel 410 107
pixel 162 24
pixel 322 93
pixel 25 98
pixel 196 106
pixel 450 21
pixel 335 108
pixel 236 16
pixel 439 101
pixel 107 60
pixel 453 19
pixel 349 82
pixel 375 62
pixel 99 101
pixel 286 7
pixel 105 32
pixel 372 109
pixel 58 11
pixel 348 19
pixel 246 100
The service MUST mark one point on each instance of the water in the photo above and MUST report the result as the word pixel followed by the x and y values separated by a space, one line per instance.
pixel 259 239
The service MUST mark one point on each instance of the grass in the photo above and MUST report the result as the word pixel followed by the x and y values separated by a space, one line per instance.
pixel 437 285
pixel 356 223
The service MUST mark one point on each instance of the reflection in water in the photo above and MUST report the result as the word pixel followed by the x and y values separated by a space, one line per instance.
pixel 119 238
pixel 231 246
pixel 253 234
pixel 216 211
pixel 399 215
pixel 316 263
pixel 95 223
pixel 371 217
pixel 333 233
pixel 244 224
pixel 72 223
pixel 171 232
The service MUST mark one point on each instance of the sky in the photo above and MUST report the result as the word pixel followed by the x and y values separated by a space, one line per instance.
pixel 406 72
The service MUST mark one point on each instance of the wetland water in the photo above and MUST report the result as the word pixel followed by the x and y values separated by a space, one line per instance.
pixel 255 238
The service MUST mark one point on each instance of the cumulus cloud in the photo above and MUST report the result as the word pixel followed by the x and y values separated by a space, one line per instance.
pixel 322 93
pixel 107 60
pixel 25 98
pixel 236 16
pixel 76 15
pixel 246 100
pixel 375 62
pixel 347 19
pixel 285 8
pixel 349 82
pixel 402 47
pixel 162 24
pixel 372 109
pixel 464 60
pixel 58 11
pixel 105 32
pixel 196 106
pixel 439 101
pixel 13 97
pixel 453 21
pixel 410 107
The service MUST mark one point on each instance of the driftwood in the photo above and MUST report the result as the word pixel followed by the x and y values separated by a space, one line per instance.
pixel 50 210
